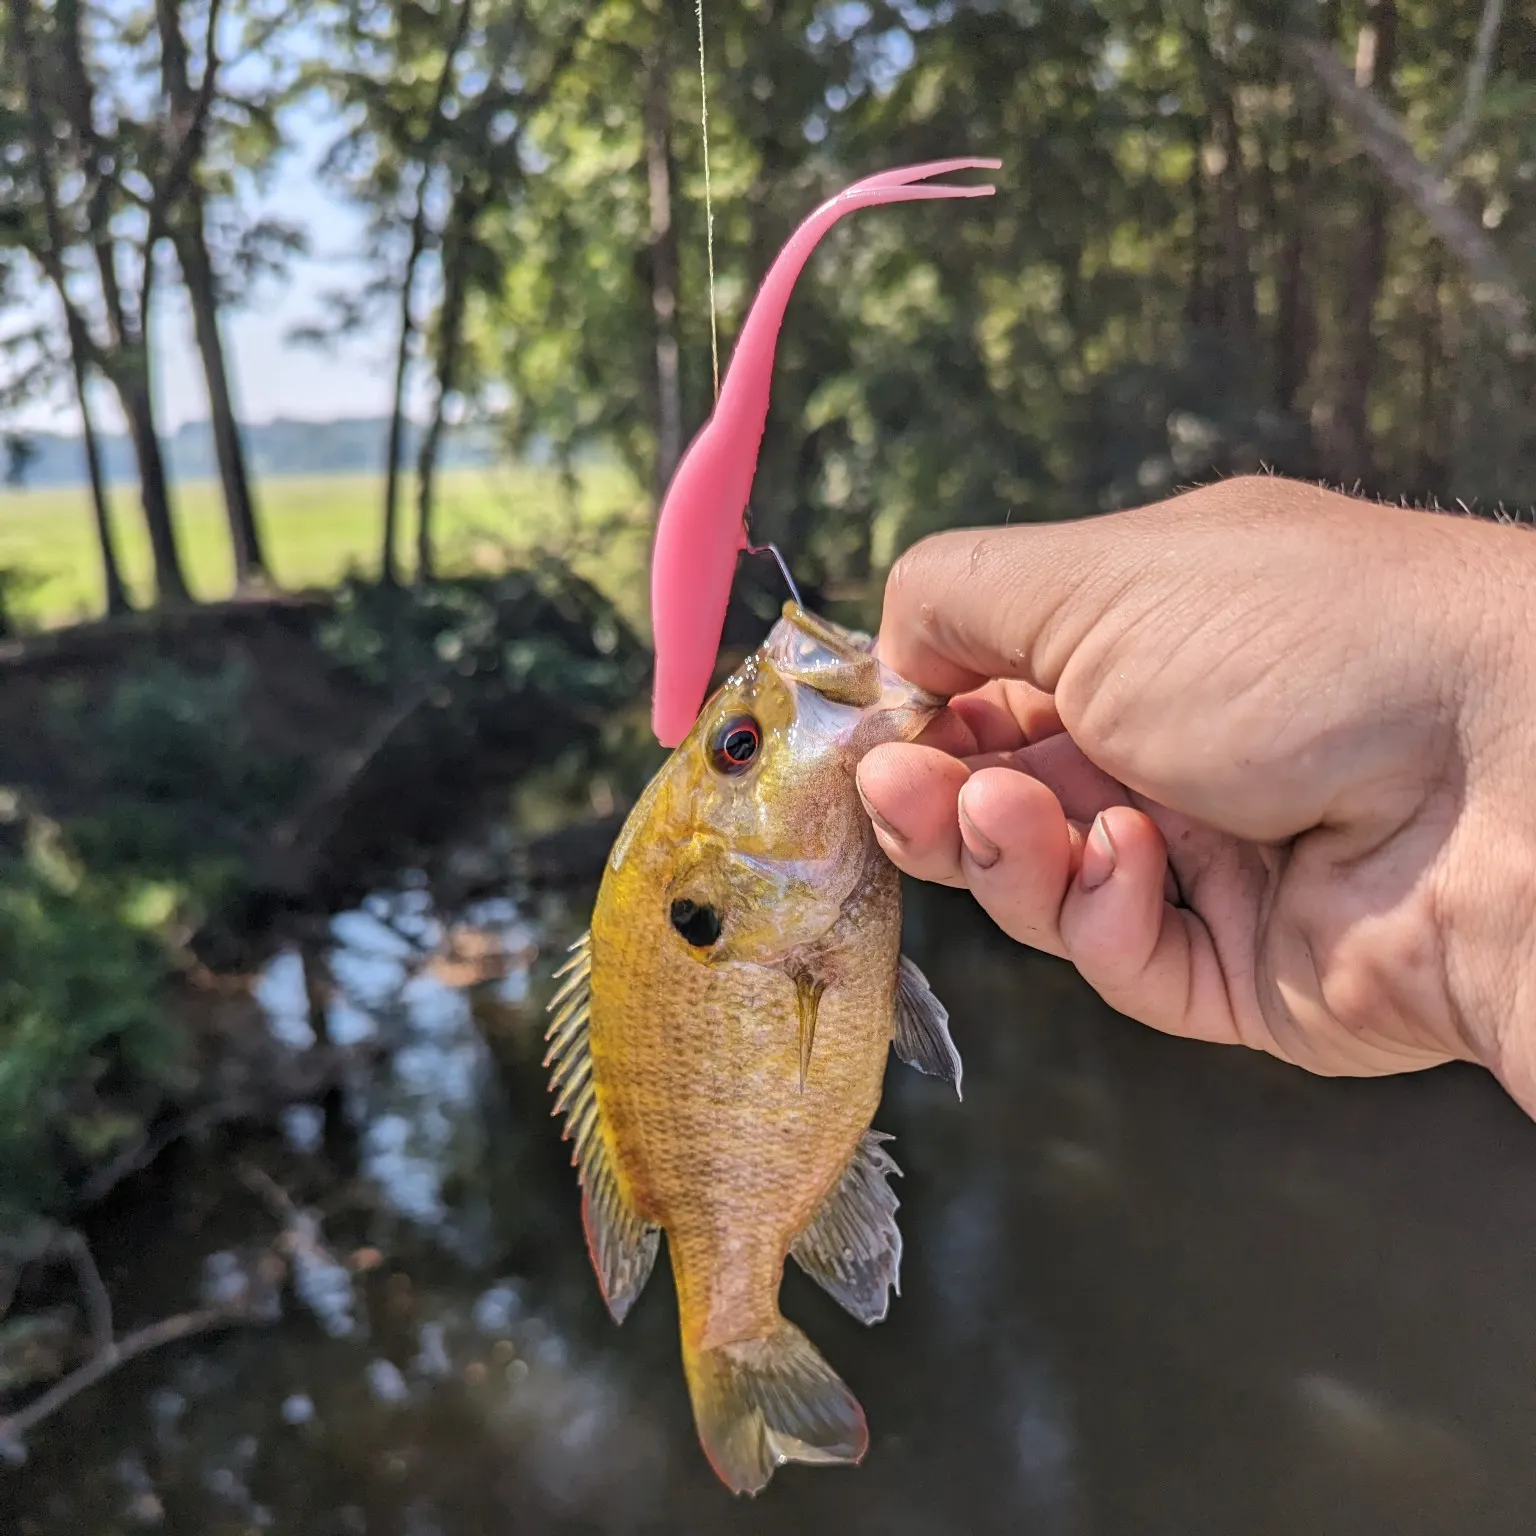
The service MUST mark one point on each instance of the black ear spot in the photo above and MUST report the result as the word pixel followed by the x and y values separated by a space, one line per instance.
pixel 699 925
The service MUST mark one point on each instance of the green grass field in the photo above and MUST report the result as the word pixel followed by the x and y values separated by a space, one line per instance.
pixel 318 529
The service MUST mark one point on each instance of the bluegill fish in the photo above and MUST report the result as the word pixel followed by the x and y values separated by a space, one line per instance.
pixel 719 1043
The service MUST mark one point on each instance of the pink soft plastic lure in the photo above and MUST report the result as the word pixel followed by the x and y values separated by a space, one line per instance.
pixel 702 526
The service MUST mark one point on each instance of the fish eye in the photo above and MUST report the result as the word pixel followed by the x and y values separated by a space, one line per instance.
pixel 698 923
pixel 736 743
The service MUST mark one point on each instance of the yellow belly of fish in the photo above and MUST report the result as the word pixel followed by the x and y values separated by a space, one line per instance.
pixel 711 1133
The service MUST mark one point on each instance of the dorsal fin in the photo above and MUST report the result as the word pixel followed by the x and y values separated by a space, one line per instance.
pixel 852 1246
pixel 621 1244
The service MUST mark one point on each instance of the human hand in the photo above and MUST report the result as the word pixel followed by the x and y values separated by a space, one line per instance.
pixel 1254 759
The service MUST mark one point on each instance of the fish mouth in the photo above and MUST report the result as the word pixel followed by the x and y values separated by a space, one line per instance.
pixel 837 663
pixel 840 667
pixel 804 644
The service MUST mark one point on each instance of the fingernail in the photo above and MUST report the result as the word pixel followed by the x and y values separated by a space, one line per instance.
pixel 1098 856
pixel 983 851
pixel 878 819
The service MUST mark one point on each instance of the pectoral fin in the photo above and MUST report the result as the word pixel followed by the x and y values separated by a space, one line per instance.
pixel 622 1246
pixel 852 1247
pixel 921 1030
pixel 808 992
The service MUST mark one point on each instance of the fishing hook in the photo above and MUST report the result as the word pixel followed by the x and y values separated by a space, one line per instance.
pixel 789 581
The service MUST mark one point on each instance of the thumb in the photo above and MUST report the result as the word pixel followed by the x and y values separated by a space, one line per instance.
pixel 972 604
pixel 966 606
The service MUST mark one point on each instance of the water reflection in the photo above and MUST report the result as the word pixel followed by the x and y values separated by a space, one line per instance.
pixel 1148 1288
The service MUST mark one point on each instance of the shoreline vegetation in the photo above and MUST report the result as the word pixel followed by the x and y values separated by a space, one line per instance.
pixel 184 790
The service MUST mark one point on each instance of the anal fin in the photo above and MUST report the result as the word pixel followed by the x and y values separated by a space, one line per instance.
pixel 920 1033
pixel 761 1402
pixel 852 1246
pixel 621 1244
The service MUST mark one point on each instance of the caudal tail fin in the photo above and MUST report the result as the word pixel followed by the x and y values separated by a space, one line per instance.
pixel 761 1402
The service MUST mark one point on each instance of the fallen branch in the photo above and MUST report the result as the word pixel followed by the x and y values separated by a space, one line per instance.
pixel 1460 135
pixel 1495 287
pixel 93 1291
pixel 111 1352
pixel 46 1243
pixel 317 1074
pixel 185 1325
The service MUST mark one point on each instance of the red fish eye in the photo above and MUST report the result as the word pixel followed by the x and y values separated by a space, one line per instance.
pixel 736 742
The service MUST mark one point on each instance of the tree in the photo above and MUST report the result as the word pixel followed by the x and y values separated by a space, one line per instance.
pixel 516 64
pixel 440 99
pixel 1451 159
pixel 1429 187
pixel 191 102
pixel 34 223
pixel 459 261
pixel 662 253
pixel 147 151
pixel 118 231
pixel 402 62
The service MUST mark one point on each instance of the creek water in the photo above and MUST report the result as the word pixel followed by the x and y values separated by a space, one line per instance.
pixel 1148 1287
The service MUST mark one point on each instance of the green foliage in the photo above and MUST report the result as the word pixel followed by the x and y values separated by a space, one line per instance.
pixel 175 782
pixel 1166 288
pixel 539 631
pixel 169 734
pixel 179 789
pixel 87 1043
pixel 17 587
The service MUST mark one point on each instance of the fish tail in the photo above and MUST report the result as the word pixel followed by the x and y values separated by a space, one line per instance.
pixel 761 1402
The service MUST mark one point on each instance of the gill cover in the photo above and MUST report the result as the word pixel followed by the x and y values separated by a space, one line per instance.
pixel 702 525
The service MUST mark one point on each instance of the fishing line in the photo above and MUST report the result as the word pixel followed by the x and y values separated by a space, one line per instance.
pixel 709 201
pixel 709 246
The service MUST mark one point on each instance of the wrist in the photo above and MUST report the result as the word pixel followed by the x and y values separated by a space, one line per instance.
pixel 1487 906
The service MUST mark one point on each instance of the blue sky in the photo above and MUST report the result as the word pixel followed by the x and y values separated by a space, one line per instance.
pixel 271 378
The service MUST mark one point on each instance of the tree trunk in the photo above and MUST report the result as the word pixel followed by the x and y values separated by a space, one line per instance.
pixel 1238 304
pixel 1296 300
pixel 663 265
pixel 1353 449
pixel 133 391
pixel 197 274
pixel 1294 330
pixel 80 348
pixel 457 253
pixel 1235 303
pixel 426 491
pixel 426 488
pixel 1432 458
pixel 389 562
pixel 1195 297
pixel 111 570
pixel 127 368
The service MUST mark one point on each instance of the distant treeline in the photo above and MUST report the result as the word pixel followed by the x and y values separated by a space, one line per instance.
pixel 350 445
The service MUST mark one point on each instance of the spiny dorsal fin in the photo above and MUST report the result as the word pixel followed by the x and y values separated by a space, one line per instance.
pixel 921 1029
pixel 622 1246
pixel 852 1247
